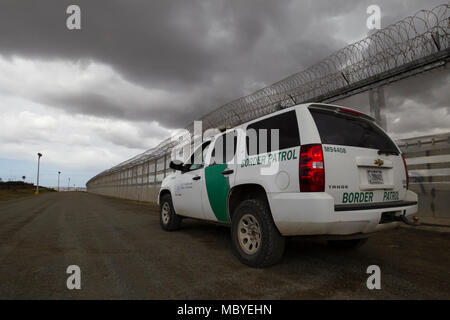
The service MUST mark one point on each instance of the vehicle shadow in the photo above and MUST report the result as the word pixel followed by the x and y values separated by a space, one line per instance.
pixel 310 269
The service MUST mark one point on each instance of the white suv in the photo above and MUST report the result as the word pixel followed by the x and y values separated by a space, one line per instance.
pixel 312 169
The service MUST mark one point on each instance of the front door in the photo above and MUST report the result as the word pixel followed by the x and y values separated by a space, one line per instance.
pixel 188 186
pixel 219 177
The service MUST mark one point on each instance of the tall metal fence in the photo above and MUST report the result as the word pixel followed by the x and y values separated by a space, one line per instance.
pixel 139 182
pixel 428 160
pixel 414 44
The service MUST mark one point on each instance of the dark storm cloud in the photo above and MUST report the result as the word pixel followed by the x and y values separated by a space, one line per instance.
pixel 204 52
pixel 175 45
pixel 140 38
pixel 419 104
pixel 430 89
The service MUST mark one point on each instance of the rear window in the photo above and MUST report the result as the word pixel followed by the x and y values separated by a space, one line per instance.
pixel 352 131
pixel 287 126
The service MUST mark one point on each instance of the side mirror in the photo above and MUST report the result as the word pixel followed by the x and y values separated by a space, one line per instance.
pixel 176 165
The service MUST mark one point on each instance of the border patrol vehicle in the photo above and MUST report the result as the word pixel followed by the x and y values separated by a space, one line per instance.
pixel 337 174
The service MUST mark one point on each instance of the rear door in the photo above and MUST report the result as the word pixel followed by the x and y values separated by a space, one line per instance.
pixel 362 164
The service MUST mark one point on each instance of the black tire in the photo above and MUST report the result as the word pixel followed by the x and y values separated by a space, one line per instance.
pixel 172 221
pixel 271 243
pixel 347 244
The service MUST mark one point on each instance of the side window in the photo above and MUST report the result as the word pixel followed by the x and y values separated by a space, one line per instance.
pixel 197 159
pixel 260 134
pixel 224 148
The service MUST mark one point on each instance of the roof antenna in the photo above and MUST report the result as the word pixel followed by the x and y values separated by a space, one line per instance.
pixel 292 98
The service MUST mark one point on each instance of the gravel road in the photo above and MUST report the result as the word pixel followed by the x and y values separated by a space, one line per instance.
pixel 124 254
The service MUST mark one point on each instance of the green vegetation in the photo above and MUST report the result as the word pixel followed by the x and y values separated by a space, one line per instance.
pixel 18 189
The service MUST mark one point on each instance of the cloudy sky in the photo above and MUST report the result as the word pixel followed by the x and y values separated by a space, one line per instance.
pixel 137 70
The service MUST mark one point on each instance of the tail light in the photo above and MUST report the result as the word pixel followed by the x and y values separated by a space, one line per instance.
pixel 406 171
pixel 311 168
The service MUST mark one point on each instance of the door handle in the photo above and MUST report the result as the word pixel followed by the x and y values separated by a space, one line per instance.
pixel 227 172
pixel 196 178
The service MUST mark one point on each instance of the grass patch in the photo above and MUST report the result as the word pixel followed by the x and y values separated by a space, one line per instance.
pixel 10 191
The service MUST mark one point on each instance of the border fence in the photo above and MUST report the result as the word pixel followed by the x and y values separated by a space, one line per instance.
pixel 415 44
pixel 428 160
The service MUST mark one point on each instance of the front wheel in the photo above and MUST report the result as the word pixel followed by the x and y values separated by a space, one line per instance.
pixel 168 219
pixel 256 240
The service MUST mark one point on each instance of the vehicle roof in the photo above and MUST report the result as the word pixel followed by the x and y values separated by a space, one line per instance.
pixel 332 107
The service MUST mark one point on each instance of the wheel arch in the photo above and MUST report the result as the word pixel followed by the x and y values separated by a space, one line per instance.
pixel 163 192
pixel 242 192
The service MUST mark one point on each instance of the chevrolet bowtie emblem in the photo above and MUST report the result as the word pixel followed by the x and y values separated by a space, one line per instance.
pixel 379 162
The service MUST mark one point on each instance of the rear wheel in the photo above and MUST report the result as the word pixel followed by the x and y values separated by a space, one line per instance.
pixel 347 244
pixel 168 219
pixel 256 240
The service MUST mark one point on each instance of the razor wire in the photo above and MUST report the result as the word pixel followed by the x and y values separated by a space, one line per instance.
pixel 415 37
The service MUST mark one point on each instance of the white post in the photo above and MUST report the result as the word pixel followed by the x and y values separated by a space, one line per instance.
pixel 37 182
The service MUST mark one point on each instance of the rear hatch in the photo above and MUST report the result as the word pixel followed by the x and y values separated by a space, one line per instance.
pixel 362 164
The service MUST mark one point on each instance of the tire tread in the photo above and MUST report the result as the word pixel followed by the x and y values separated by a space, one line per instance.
pixel 174 219
pixel 273 242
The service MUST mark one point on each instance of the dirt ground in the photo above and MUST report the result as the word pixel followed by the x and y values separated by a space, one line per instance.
pixel 10 194
pixel 124 254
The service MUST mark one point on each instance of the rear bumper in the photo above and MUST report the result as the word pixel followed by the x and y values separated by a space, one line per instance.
pixel 370 206
pixel 315 214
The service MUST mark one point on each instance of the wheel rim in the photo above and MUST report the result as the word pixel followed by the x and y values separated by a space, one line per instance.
pixel 165 213
pixel 249 234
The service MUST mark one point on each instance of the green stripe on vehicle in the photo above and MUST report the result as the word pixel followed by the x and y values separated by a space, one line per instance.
pixel 217 187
